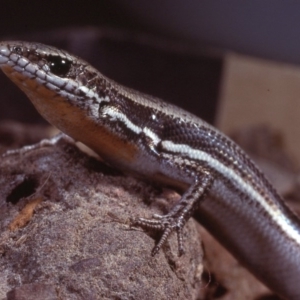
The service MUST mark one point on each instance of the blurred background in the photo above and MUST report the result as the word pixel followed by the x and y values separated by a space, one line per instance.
pixel 232 63
pixel 267 29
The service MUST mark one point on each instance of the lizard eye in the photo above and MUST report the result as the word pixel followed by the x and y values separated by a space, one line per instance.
pixel 58 65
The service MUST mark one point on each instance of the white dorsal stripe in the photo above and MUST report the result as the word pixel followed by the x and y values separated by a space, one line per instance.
pixel 149 133
pixel 116 114
pixel 273 211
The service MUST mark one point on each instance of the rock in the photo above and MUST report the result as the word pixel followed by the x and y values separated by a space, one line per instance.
pixel 64 220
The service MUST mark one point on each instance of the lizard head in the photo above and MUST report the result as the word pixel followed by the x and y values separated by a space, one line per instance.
pixel 56 82
pixel 68 92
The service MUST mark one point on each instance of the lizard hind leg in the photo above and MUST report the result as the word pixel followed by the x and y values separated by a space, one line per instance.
pixel 180 213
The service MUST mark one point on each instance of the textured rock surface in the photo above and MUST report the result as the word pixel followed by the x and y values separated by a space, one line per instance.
pixel 78 243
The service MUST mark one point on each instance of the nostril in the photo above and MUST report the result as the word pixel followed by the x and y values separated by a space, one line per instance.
pixel 24 189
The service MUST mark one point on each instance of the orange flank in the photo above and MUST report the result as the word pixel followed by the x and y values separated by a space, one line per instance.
pixel 74 120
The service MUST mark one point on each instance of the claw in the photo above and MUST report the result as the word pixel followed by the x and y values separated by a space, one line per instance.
pixel 162 240
pixel 180 241
pixel 167 225
pixel 181 212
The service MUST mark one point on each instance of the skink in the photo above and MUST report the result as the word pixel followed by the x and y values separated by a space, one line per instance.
pixel 141 134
